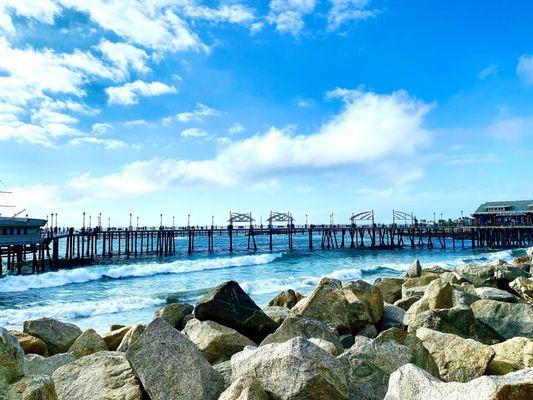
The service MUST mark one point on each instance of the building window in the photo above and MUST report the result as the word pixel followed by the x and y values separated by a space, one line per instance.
pixel 11 231
pixel 25 231
pixel 4 231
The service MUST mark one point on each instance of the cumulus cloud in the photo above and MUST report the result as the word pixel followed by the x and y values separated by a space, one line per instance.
pixel 235 128
pixel 41 10
pixel 198 114
pixel 108 144
pixel 124 56
pixel 101 128
pixel 343 11
pixel 288 15
pixel 524 69
pixel 193 133
pixel 129 93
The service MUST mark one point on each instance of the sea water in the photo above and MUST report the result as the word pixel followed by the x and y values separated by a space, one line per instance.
pixel 125 291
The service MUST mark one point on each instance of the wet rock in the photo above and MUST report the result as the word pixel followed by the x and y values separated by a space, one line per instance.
pixel 414 270
pixel 57 335
pixel 370 296
pixel 11 358
pixel 370 364
pixel 230 306
pixel 489 293
pixel 277 314
pixel 182 371
pixel 296 369
pixel 35 364
pixel 37 387
pixel 458 359
pixel 328 303
pixel 524 288
pixel 390 288
pixel 306 328
pixel 113 339
pixel 508 319
pixel 287 299
pixel 404 304
pixel 512 355
pixel 217 342
pixel 30 344
pixel 392 318
pixel 413 383
pixel 244 389
pixel 174 314
pixel 88 342
pixel 130 337
pixel 438 295
pixel 102 375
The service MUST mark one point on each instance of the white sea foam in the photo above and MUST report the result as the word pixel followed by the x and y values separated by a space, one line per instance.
pixel 21 283
pixel 70 311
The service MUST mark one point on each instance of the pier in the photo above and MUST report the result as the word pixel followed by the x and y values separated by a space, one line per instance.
pixel 68 247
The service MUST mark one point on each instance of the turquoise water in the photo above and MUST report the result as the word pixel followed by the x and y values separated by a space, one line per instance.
pixel 129 291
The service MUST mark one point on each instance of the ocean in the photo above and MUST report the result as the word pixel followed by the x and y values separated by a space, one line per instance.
pixel 125 291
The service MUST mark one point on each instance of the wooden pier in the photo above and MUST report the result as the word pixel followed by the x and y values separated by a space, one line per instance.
pixel 61 248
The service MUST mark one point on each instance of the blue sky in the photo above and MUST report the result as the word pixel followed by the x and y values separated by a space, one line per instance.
pixel 312 106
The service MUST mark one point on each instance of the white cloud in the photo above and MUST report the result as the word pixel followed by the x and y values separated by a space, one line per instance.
pixel 232 13
pixel 136 122
pixel 524 69
pixel 287 15
pixel 512 128
pixel 129 93
pixel 200 112
pixel 101 128
pixel 235 128
pixel 488 71
pixel 193 133
pixel 124 56
pixel 304 103
pixel 41 10
pixel 108 144
pixel 343 11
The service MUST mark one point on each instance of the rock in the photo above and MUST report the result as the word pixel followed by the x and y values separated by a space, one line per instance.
pixel 505 274
pixel 489 293
pixel 438 295
pixel 224 369
pixel 370 364
pixel 30 344
pixel 329 303
pixel 413 383
pixel 414 270
pixel 416 291
pixel 217 342
pixel 88 342
pixel 244 389
pixel 457 320
pixel 436 269
pixel 369 295
pixel 368 331
pixel 359 341
pixel 174 314
pixel 347 340
pixel 57 335
pixel 390 288
pixel 392 318
pixel 182 371
pixel 404 304
pixel 113 339
pixel 524 288
pixel 458 359
pixel 36 387
pixel 130 337
pixel 277 314
pixel 325 345
pixel 422 281
pixel 115 327
pixel 102 375
pixel 479 275
pixel 512 355
pixel 306 328
pixel 287 299
pixel 463 298
pixel 508 319
pixel 230 306
pixel 35 364
pixel 451 277
pixel 296 369
pixel 11 358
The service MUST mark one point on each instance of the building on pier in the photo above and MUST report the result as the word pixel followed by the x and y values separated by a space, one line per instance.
pixel 20 231
pixel 504 213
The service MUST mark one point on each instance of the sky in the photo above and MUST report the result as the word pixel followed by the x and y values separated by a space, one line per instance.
pixel 191 107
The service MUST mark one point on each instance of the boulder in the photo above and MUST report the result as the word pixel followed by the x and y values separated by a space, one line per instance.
pixel 130 337
pixel 413 383
pixel 369 295
pixel 390 288
pixel 244 389
pixel 414 270
pixel 224 369
pixel 404 304
pixel 512 355
pixel 217 342
pixel 296 369
pixel 57 335
pixel 112 339
pixel 508 319
pixel 457 320
pixel 174 314
pixel 11 358
pixel 438 295
pixel 392 318
pixel 422 281
pixel 451 277
pixel 458 359
pixel 463 298
pixel 102 375
pixel 417 291
pixel 347 340
pixel 329 303
pixel 524 288
pixel 30 344
pixel 35 364
pixel 325 345
pixel 436 269
pixel 230 306
pixel 477 274
pixel 306 328
pixel 370 363
pixel 277 314
pixel 505 274
pixel 368 331
pixel 88 342
pixel 37 387
pixel 489 293
pixel 287 299
pixel 170 366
